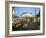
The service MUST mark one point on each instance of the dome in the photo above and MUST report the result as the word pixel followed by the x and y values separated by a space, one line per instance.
pixel 28 15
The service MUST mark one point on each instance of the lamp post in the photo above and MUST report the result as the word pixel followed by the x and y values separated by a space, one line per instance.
pixel 35 12
pixel 35 15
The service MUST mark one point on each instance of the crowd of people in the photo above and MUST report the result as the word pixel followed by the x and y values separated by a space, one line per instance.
pixel 21 24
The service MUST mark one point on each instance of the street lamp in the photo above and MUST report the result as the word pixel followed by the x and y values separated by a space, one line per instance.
pixel 35 15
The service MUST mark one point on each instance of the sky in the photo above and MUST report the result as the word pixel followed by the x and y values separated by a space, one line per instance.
pixel 19 10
